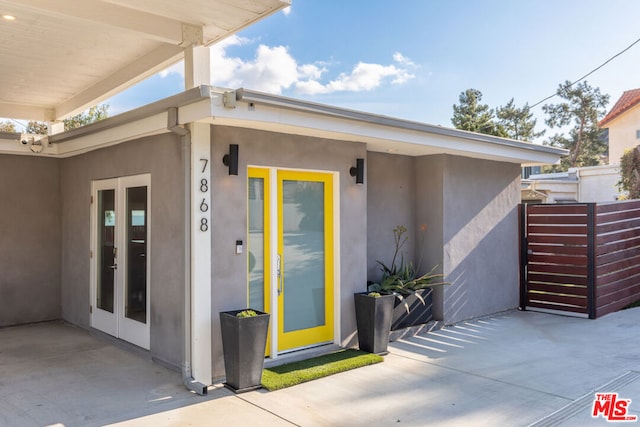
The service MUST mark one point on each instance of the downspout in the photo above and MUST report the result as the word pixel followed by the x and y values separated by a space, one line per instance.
pixel 185 138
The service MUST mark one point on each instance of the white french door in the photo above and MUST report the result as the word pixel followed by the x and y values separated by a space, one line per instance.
pixel 120 258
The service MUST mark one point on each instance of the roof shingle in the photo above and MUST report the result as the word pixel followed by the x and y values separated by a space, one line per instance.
pixel 629 99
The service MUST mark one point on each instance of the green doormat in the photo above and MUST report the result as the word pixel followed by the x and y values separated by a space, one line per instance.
pixel 306 370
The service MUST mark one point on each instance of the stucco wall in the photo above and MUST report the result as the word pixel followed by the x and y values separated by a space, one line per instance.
pixel 161 157
pixel 461 214
pixel 229 217
pixel 390 202
pixel 429 205
pixel 30 243
pixel 622 134
pixel 480 236
pixel 598 183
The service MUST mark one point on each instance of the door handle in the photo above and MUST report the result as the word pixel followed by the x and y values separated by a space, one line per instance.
pixel 279 272
pixel 113 267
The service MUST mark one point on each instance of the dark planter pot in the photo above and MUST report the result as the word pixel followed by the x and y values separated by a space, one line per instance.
pixel 418 314
pixel 244 342
pixel 373 319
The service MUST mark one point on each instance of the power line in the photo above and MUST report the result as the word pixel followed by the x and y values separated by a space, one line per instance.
pixel 591 72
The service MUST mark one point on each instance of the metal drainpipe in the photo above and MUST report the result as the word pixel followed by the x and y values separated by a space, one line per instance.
pixel 185 137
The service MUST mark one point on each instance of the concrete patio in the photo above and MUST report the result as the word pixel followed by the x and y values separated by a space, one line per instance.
pixel 512 369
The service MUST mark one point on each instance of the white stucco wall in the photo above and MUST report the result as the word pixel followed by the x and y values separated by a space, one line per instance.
pixel 622 134
pixel 598 184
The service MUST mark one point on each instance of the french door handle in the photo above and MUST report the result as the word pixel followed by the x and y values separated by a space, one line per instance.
pixel 113 267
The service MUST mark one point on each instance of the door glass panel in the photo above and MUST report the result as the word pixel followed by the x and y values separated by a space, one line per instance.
pixel 136 235
pixel 256 243
pixel 106 250
pixel 304 255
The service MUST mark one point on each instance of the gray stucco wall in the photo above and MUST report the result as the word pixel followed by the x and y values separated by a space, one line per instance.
pixel 469 209
pixel 30 242
pixel 161 156
pixel 480 237
pixel 229 217
pixel 474 202
pixel 390 202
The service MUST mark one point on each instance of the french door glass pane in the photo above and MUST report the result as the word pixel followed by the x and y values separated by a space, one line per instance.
pixel 304 255
pixel 136 235
pixel 256 243
pixel 106 250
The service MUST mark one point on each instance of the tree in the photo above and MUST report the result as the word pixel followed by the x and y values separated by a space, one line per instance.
pixel 93 114
pixel 630 173
pixel 39 128
pixel 584 106
pixel 473 116
pixel 517 123
pixel 7 126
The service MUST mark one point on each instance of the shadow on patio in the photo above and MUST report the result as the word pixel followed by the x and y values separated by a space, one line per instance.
pixel 56 374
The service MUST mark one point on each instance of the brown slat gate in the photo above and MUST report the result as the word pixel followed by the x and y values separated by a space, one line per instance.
pixel 580 258
pixel 555 250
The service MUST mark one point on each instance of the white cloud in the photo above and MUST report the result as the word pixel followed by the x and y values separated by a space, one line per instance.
pixel 273 70
pixel 401 59
pixel 363 77
pixel 286 10
pixel 177 68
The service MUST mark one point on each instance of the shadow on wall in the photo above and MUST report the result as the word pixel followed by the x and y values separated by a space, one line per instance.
pixel 484 278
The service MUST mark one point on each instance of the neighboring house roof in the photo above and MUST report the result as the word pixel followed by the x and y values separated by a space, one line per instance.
pixel 60 57
pixel 629 99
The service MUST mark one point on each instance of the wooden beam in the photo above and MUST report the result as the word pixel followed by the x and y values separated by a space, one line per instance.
pixel 148 25
pixel 135 72
pixel 26 112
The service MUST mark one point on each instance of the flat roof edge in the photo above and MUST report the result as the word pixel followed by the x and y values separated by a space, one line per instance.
pixel 11 135
pixel 247 95
pixel 184 98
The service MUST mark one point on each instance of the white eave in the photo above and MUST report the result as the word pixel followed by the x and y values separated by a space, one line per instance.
pixel 59 57
pixel 255 110
pixel 381 133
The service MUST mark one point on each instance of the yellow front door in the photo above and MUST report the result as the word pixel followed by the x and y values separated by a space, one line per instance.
pixel 305 248
pixel 294 268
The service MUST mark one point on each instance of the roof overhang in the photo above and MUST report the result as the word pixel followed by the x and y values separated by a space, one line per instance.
pixel 59 57
pixel 256 110
pixel 381 133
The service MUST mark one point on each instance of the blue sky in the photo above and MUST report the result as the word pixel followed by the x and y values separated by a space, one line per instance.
pixel 412 58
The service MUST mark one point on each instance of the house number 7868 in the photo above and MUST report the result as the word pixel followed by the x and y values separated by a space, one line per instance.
pixel 204 189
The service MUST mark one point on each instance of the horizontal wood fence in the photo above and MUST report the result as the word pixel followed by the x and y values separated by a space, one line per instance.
pixel 580 258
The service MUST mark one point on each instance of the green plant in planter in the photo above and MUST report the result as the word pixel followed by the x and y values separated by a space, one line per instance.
pixel 374 294
pixel 247 313
pixel 402 279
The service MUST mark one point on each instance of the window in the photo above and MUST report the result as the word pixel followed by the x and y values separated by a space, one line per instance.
pixel 638 134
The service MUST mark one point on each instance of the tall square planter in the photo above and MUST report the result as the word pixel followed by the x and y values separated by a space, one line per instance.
pixel 244 341
pixel 373 320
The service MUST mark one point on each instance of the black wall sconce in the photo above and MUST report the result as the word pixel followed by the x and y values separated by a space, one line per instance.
pixel 358 171
pixel 231 160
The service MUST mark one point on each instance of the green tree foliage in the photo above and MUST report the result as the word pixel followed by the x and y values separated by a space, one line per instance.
pixel 7 126
pixel 39 128
pixel 93 114
pixel 583 107
pixel 517 123
pixel 473 116
pixel 630 173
